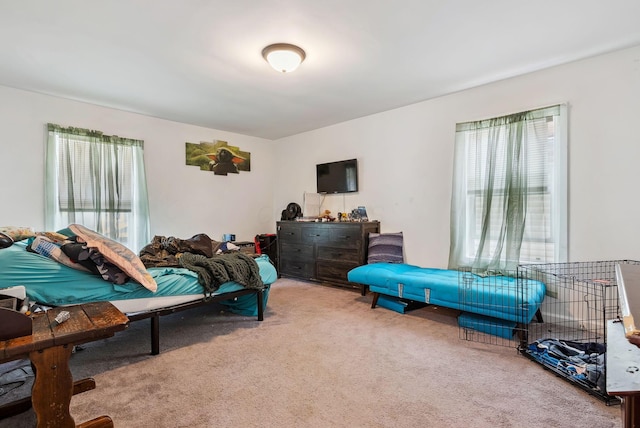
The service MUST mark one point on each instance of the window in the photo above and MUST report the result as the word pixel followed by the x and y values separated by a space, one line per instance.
pixel 98 181
pixel 509 191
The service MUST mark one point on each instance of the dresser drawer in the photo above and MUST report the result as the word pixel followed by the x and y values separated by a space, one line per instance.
pixel 345 237
pixel 322 251
pixel 332 271
pixel 339 254
pixel 296 251
pixel 297 268
pixel 315 234
pixel 290 232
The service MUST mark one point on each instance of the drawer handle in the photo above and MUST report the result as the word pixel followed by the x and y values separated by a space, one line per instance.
pixel 346 237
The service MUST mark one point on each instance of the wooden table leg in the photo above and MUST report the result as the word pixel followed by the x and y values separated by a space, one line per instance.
pixel 374 302
pixel 52 387
pixel 82 385
pixel 99 422
pixel 363 289
pixel 630 411
pixel 15 407
pixel 23 404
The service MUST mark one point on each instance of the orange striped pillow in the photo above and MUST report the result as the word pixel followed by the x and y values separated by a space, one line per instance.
pixel 117 254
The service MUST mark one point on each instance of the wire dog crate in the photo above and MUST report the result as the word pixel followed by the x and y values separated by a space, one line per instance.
pixel 568 333
pixel 504 301
pixel 571 339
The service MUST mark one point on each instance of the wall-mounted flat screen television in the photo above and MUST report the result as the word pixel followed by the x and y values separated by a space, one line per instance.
pixel 337 177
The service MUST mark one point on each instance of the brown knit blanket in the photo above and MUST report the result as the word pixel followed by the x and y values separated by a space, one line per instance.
pixel 221 268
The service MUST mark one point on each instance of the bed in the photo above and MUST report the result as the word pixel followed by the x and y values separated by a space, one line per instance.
pixel 50 283
pixel 499 297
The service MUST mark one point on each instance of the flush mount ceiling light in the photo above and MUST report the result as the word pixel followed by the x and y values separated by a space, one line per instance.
pixel 283 56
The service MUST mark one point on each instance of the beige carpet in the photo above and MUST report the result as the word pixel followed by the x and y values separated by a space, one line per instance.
pixel 321 358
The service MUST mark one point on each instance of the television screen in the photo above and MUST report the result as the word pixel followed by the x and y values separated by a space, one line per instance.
pixel 337 177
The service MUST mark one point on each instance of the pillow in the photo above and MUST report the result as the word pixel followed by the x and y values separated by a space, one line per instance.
pixel 5 241
pixel 385 247
pixel 117 254
pixel 17 233
pixel 49 248
pixel 107 270
pixel 54 237
pixel 79 253
pixel 66 232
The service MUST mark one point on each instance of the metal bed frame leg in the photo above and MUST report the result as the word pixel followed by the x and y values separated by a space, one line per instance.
pixel 260 302
pixel 155 316
pixel 155 334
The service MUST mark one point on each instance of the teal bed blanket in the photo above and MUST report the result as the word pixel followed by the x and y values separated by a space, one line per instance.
pixel 503 297
pixel 51 283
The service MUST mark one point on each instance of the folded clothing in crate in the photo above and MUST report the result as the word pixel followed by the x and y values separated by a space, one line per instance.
pixel 580 362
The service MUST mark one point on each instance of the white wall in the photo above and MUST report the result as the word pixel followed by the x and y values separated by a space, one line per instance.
pixel 183 200
pixel 405 159
pixel 406 156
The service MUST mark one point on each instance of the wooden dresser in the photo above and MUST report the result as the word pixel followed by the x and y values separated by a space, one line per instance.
pixel 323 252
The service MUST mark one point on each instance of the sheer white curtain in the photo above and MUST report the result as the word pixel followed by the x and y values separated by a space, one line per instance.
pixel 98 181
pixel 509 191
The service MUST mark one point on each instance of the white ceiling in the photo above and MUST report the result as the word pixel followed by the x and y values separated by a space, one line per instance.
pixel 199 61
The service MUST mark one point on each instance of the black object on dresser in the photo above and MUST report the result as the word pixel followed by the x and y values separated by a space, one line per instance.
pixel 323 251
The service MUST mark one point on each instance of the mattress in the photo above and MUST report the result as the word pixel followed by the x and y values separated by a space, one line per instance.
pixel 500 297
pixel 495 326
pixel 50 283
